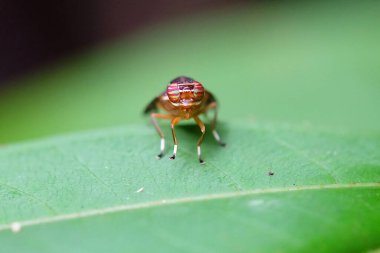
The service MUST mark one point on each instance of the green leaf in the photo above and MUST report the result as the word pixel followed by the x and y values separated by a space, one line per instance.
pixel 274 188
pixel 105 191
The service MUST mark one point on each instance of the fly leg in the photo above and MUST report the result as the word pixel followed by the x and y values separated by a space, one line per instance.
pixel 203 129
pixel 214 106
pixel 154 117
pixel 174 122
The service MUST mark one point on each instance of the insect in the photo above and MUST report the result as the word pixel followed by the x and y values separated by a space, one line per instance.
pixel 183 99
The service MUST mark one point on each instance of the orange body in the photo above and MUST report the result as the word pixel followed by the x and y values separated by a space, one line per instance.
pixel 185 110
pixel 184 98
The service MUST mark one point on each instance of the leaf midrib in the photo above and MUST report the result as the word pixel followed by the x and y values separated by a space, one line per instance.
pixel 183 200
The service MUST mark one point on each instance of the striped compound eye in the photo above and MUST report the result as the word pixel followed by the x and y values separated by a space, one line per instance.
pixel 173 92
pixel 198 91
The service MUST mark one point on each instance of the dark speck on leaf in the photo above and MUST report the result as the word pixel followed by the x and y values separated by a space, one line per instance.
pixel 270 173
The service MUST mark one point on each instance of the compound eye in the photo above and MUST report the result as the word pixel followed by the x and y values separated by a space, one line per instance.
pixel 173 92
pixel 198 91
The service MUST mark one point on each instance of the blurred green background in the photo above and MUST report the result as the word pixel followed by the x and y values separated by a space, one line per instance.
pixel 298 62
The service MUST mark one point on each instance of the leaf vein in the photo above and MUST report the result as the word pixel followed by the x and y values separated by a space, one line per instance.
pixel 93 174
pixel 28 195
pixel 158 203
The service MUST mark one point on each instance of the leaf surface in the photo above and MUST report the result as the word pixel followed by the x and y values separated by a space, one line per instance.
pixel 104 190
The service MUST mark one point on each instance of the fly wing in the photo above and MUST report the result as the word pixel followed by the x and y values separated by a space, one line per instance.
pixel 211 98
pixel 152 106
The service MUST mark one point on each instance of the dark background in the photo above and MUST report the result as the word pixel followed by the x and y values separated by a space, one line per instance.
pixel 70 66
pixel 36 33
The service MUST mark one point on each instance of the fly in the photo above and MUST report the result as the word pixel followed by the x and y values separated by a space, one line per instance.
pixel 183 99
